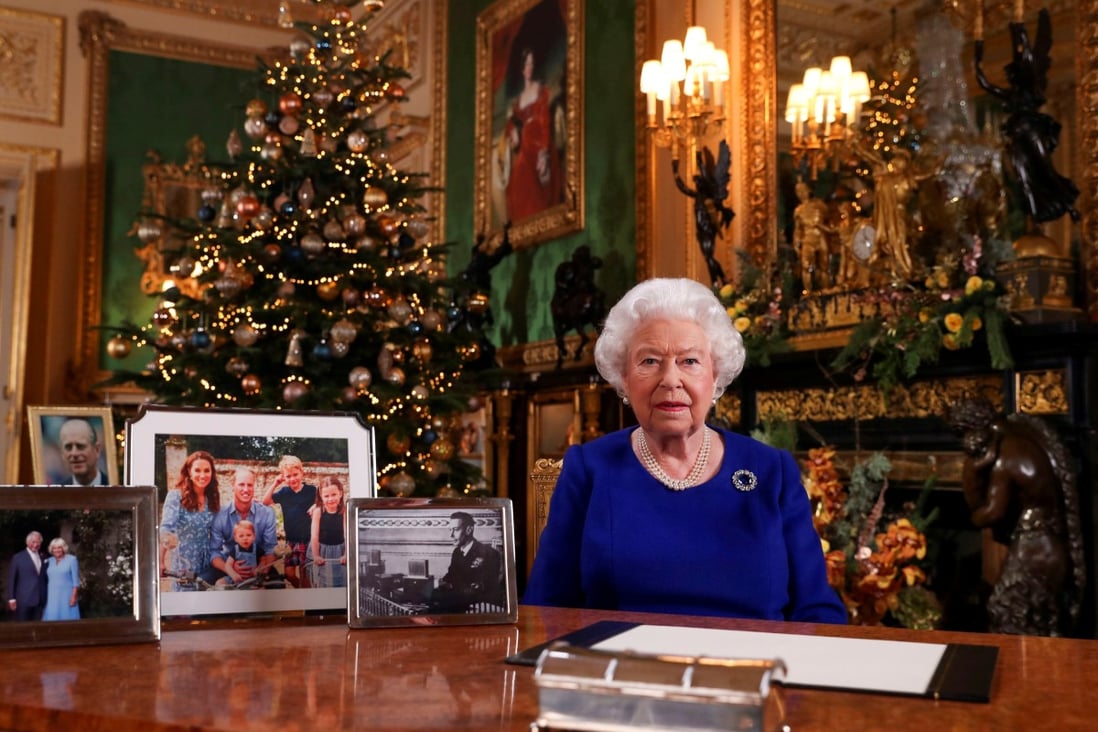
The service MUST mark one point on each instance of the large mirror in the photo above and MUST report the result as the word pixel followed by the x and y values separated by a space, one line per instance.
pixel 936 38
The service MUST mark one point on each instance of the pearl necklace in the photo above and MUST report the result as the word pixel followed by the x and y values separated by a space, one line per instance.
pixel 653 467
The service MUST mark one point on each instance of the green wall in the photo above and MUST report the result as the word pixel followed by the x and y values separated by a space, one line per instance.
pixel 155 104
pixel 522 284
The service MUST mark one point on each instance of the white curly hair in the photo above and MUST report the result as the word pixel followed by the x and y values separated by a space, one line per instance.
pixel 673 299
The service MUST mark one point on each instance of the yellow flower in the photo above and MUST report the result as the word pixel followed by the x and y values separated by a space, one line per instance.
pixel 726 291
pixel 943 279
pixel 742 323
pixel 977 323
pixel 732 312
pixel 953 322
pixel 974 283
pixel 742 306
pixel 949 340
pixel 925 315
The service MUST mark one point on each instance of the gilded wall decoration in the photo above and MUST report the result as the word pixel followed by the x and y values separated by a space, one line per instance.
pixel 867 402
pixel 31 64
pixel 1041 392
pixel 402 34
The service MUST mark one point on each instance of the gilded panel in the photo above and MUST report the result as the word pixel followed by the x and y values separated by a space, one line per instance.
pixel 32 48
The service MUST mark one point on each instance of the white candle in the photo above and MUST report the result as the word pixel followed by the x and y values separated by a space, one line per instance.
pixel 978 22
pixel 1019 10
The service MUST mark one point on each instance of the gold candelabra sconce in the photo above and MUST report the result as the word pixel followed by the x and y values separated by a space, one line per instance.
pixel 685 91
pixel 822 110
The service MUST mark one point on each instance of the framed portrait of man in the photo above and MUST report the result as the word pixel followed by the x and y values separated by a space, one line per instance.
pixel 73 446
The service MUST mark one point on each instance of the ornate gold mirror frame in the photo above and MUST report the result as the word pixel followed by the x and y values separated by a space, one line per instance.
pixel 99 35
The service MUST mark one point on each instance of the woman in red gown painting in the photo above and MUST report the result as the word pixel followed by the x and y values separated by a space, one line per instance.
pixel 534 183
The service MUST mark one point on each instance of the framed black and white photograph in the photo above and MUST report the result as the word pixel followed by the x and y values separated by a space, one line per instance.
pixel 431 561
pixel 78 567
pixel 252 505
pixel 73 446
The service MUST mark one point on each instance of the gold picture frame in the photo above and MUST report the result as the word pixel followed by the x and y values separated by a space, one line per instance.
pixel 112 533
pixel 529 139
pixel 48 453
pixel 30 88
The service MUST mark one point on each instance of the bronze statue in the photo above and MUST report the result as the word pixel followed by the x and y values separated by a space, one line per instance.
pixel 577 303
pixel 1031 136
pixel 1017 481
pixel 710 214
pixel 811 239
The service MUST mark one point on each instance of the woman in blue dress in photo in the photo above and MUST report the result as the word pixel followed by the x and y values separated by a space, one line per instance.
pixel 62 583
pixel 188 514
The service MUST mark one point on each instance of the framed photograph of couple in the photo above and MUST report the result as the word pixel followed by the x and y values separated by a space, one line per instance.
pixel 431 561
pixel 252 505
pixel 78 566
pixel 73 445
pixel 529 120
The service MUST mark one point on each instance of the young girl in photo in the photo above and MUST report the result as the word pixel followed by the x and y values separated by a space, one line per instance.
pixel 327 545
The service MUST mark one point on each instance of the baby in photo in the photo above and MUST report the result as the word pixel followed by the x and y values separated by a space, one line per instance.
pixel 242 552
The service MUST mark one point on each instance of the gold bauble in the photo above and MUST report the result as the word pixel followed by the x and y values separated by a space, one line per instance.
pixel 251 384
pixel 256 108
pixel 118 347
pixel 397 445
pixel 328 291
pixel 421 349
pixel 375 197
pixel 442 449
pixel 402 484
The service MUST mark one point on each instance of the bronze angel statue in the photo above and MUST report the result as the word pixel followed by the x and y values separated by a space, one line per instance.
pixel 710 214
pixel 1030 135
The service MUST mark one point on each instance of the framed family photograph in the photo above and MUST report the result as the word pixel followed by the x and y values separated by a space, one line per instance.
pixel 529 120
pixel 78 567
pixel 431 561
pixel 73 446
pixel 252 505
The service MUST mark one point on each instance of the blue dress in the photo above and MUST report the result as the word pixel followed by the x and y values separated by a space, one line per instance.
pixel 617 539
pixel 193 530
pixel 61 578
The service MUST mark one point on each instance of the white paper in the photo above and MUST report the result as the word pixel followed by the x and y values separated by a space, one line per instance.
pixel 898 667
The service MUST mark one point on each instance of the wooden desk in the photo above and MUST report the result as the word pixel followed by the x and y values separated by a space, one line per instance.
pixel 294 675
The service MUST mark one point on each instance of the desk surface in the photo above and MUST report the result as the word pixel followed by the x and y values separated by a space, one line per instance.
pixel 299 674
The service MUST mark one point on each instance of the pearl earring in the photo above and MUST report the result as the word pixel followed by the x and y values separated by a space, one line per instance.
pixel 625 400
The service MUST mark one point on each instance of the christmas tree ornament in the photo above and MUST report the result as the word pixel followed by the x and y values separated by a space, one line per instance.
pixel 206 213
pixel 431 320
pixel 366 244
pixel 333 230
pixel 289 125
pixel 163 317
pixel 328 290
pixel 442 449
pixel 350 297
pixel 428 436
pixel 434 468
pixel 327 143
pixel 247 206
pixel 200 338
pixel 348 395
pixel 402 485
pixel 294 357
pixel 285 17
pixel 371 6
pixel 448 491
pixel 251 384
pixel 415 328
pixel 171 294
pixel 148 231
pixel 397 445
pixel 355 224
pixel 341 15
pixel 322 351
pixel 270 151
pixel 294 391
pixel 394 91
pixel 306 193
pixel 421 350
pixel 360 378
pixel 358 141
pixel 118 347
pixel 287 289
pixel 417 228
pixel 395 376
pixel 420 392
pixel 400 311
pixel 323 97
pixel 312 243
pixel 388 225
pixel 375 197
pixel 236 366
pixel 264 219
pixel 474 404
pixel 343 331
pixel 255 108
pixel 228 287
pixel 234 145
pixel 340 349
pixel 245 335
pixel 255 128
pixel 290 103
pixel 308 143
pixel 224 216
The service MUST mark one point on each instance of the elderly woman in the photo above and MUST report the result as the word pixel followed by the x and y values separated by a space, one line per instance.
pixel 673 515
pixel 62 583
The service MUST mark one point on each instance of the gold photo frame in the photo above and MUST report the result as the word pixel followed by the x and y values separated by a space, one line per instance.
pixel 529 123
pixel 112 535
pixel 30 88
pixel 56 464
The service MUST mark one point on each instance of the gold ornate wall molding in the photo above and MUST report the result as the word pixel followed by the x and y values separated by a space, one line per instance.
pixel 1086 66
pixel 32 47
pixel 252 12
pixel 867 402
pixel 99 35
pixel 1042 392
pixel 761 132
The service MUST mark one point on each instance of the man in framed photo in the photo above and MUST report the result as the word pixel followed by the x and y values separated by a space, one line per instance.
pixel 243 507
pixel 80 449
pixel 27 580
pixel 475 574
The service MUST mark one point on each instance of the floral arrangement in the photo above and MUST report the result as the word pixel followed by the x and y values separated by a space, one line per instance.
pixel 873 560
pixel 916 324
pixel 755 307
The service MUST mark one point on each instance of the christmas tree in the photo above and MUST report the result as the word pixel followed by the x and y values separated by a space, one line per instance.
pixel 306 281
